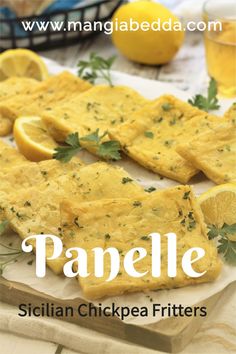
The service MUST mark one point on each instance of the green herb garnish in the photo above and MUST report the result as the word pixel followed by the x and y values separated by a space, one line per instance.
pixel 145 238
pixel 226 246
pixel 126 180
pixel 65 153
pixel 150 189
pixel 149 135
pixel 107 150
pixel 172 122
pixel 207 103
pixel 168 143
pixel 11 254
pixel 189 222
pixel 95 68
pixel 3 226
pixel 166 107
pixel 186 195
pixel 137 203
pixel 191 225
pixel 223 231
pixel 94 137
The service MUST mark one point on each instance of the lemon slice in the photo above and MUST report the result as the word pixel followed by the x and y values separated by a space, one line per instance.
pixel 33 139
pixel 219 205
pixel 22 63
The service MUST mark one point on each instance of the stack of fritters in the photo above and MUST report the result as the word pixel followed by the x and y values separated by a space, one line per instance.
pixel 38 97
pixel 99 204
pixel 31 194
pixel 150 132
pixel 102 206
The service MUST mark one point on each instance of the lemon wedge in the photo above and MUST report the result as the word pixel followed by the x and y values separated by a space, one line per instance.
pixel 218 205
pixel 22 63
pixel 33 139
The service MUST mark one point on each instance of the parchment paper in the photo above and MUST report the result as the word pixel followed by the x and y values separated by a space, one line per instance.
pixel 58 286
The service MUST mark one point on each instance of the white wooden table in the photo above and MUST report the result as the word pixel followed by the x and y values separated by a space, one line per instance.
pixel 187 72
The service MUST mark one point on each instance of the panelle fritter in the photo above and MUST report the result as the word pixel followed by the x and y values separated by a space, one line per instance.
pixel 151 135
pixel 102 107
pixel 9 157
pixel 214 152
pixel 126 223
pixel 44 96
pixel 15 86
pixel 36 210
pixel 18 174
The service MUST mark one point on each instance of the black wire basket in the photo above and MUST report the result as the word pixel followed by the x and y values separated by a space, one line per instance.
pixel 13 35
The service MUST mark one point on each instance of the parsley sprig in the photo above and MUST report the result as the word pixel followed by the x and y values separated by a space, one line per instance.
pixel 109 150
pixel 96 68
pixel 65 153
pixel 10 254
pixel 226 246
pixel 3 226
pixel 208 103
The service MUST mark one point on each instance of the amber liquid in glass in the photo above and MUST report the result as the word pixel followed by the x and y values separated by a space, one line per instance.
pixel 221 57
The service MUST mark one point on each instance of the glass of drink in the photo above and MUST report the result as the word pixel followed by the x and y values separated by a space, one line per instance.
pixel 220 44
